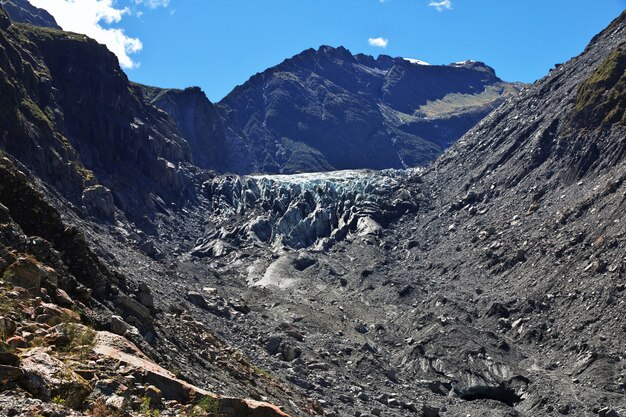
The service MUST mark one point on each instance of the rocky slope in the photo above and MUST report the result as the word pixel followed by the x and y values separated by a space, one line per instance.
pixel 490 283
pixel 499 290
pixel 81 164
pixel 327 109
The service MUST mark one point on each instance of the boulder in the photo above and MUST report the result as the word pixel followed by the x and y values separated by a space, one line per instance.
pixel 7 327
pixel 273 345
pixel 62 298
pixel 149 248
pixel 118 325
pixel 46 378
pixel 120 349
pixel 366 226
pixel 25 273
pixel 98 201
pixel 290 353
pixel 304 261
pixel 430 411
pixel 197 299
pixel 116 402
pixel 17 342
pixel 134 308
pixel 145 295
pixel 154 395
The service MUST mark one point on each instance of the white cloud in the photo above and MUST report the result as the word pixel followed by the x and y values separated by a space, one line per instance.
pixel 153 4
pixel 88 17
pixel 378 42
pixel 441 5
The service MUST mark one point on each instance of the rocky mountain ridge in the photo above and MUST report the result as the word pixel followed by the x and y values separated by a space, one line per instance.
pixel 24 12
pixel 327 109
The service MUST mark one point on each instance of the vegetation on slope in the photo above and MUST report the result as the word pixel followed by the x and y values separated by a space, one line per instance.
pixel 601 99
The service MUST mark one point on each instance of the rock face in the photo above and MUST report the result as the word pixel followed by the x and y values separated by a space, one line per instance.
pixel 73 118
pixel 24 273
pixel 327 109
pixel 23 12
pixel 198 121
pixel 98 201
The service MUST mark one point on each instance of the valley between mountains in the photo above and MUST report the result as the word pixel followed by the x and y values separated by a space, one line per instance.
pixel 340 236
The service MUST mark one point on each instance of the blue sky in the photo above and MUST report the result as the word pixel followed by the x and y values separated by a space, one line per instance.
pixel 218 44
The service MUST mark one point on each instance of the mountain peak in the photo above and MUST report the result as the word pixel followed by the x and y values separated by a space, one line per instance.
pixel 22 11
pixel 307 113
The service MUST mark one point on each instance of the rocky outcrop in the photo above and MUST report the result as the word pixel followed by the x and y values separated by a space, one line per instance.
pixel 47 378
pixel 199 122
pixel 71 115
pixel 98 201
pixel 23 12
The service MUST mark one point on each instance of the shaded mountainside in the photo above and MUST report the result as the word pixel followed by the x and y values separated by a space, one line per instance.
pixel 327 109
pixel 70 114
pixel 198 121
pixel 23 12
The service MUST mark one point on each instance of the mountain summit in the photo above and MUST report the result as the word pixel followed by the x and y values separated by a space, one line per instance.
pixel 23 12
pixel 328 109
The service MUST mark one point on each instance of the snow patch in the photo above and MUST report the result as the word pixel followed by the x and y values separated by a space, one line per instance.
pixel 416 61
pixel 466 62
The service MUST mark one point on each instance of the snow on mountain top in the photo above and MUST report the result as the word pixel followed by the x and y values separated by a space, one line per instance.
pixel 467 61
pixel 416 61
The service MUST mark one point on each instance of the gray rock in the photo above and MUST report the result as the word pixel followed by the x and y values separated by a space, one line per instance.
pixel 117 402
pixel 98 201
pixel 290 353
pixel 273 344
pixel 367 226
pixel 117 325
pixel 197 299
pixel 608 412
pixel 430 411
pixel 145 295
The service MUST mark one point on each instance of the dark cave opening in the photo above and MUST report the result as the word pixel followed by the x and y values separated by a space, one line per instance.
pixel 503 393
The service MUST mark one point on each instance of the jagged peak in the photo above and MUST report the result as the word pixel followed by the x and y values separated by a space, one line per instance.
pixel 416 61
pixel 21 11
pixel 477 65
